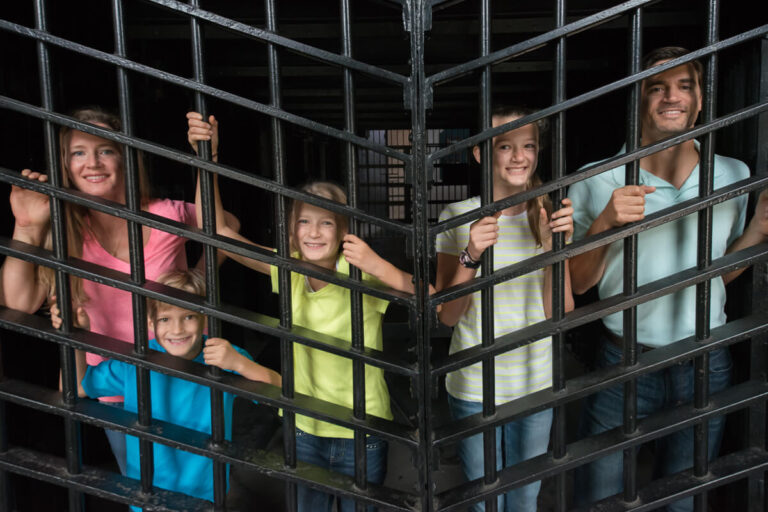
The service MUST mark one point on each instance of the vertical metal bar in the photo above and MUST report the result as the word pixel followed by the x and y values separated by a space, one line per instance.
pixel 284 275
pixel 72 433
pixel 704 256
pixel 212 294
pixel 358 342
pixel 136 253
pixel 5 486
pixel 416 167
pixel 758 416
pixel 558 270
pixel 629 326
pixel 486 295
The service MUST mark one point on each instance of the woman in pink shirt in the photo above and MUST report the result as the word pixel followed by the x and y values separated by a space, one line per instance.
pixel 93 165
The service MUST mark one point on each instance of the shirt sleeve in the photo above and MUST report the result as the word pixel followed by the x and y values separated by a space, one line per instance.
pixel 583 216
pixel 105 379
pixel 378 304
pixel 741 172
pixel 447 241
pixel 189 213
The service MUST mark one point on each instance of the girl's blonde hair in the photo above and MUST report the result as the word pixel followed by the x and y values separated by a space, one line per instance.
pixel 324 189
pixel 76 215
pixel 532 206
pixel 189 280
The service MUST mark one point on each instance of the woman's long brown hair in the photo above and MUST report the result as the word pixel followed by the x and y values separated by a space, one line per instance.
pixel 77 216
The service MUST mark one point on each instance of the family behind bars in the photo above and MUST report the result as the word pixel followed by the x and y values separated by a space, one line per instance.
pixel 671 102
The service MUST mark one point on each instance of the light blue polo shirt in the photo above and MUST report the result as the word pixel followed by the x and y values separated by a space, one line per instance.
pixel 663 250
pixel 174 400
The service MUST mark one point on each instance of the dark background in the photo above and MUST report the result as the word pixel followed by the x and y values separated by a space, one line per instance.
pixel 161 39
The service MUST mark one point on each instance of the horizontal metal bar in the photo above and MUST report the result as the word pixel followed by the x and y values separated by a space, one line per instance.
pixel 729 468
pixel 601 308
pixel 96 482
pixel 535 42
pixel 192 233
pixel 192 441
pixel 236 315
pixel 268 36
pixel 587 384
pixel 595 93
pixel 598 168
pixel 606 237
pixel 187 159
pixel 726 469
pixel 39 327
pixel 192 85
pixel 586 450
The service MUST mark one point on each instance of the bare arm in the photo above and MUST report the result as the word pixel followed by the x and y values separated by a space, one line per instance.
pixel 561 222
pixel 627 204
pixel 219 352
pixel 483 233
pixel 20 287
pixel 756 233
pixel 359 254
pixel 451 273
pixel 201 130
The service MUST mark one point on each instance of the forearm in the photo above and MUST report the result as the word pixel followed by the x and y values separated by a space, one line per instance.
pixel 749 238
pixel 391 276
pixel 450 273
pixel 547 291
pixel 82 367
pixel 588 268
pixel 254 371
pixel 224 219
pixel 20 287
pixel 251 263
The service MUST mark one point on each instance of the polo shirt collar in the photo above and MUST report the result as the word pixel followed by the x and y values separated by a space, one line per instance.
pixel 647 178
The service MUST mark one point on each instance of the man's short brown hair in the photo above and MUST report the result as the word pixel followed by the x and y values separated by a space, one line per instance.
pixel 672 52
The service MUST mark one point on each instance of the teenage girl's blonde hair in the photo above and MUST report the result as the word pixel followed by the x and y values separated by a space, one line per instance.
pixel 190 280
pixel 76 215
pixel 533 206
pixel 324 189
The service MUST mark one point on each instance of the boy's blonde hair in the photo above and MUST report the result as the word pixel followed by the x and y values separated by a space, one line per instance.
pixel 190 280
pixel 324 189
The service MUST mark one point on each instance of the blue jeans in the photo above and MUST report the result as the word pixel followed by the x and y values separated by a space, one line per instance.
pixel 117 442
pixel 338 455
pixel 522 439
pixel 670 387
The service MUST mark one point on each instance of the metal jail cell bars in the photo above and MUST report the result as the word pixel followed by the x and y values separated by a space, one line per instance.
pixel 410 211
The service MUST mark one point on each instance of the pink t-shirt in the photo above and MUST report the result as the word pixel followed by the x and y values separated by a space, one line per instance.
pixel 111 310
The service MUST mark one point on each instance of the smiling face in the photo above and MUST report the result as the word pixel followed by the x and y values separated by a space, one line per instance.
pixel 95 166
pixel 671 102
pixel 179 331
pixel 515 157
pixel 317 235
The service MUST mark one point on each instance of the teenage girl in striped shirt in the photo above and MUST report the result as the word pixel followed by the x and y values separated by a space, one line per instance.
pixel 517 233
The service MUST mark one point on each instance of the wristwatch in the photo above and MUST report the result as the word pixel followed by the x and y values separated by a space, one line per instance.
pixel 466 260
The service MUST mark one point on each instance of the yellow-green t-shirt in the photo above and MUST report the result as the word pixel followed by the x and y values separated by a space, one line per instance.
pixel 328 376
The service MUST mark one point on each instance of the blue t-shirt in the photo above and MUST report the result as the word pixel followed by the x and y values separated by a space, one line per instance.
pixel 174 400
pixel 664 250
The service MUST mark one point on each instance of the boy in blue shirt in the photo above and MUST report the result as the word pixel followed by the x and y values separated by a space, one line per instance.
pixel 178 332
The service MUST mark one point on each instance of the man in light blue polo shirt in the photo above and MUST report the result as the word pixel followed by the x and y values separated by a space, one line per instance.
pixel 671 102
